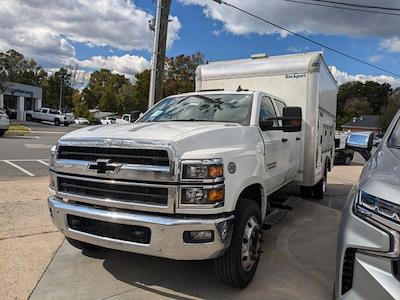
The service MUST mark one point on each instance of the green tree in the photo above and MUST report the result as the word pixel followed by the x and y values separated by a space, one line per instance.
pixel 141 91
pixel 103 87
pixel 355 108
pixel 15 67
pixel 375 94
pixel 180 73
pixel 390 109
pixel 51 90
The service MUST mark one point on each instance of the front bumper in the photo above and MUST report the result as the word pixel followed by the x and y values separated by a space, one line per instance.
pixel 372 271
pixel 166 231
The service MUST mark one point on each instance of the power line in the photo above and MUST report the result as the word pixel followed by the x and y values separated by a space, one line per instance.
pixel 344 8
pixel 306 38
pixel 358 5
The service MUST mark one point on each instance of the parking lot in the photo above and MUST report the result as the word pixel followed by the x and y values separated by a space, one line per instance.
pixel 298 259
pixel 28 155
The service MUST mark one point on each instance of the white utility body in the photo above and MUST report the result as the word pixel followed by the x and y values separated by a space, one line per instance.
pixel 193 178
pixel 300 80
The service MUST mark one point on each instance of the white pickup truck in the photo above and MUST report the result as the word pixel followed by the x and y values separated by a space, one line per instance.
pixel 192 179
pixel 49 115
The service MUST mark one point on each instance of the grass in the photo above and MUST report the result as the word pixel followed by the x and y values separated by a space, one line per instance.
pixel 18 129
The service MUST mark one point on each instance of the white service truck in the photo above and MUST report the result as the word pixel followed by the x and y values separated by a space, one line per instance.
pixel 49 115
pixel 192 179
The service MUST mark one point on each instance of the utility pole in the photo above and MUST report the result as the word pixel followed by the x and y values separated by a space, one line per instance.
pixel 159 48
pixel 61 91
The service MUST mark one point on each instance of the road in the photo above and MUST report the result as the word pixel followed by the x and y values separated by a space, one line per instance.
pixel 28 155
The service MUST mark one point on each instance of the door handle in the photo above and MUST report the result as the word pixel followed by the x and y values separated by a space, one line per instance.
pixel 297 139
pixel 284 140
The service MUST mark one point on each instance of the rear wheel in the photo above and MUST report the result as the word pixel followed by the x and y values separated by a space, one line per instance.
pixel 2 132
pixel 82 245
pixel 306 192
pixel 239 263
pixel 28 117
pixel 347 160
pixel 66 124
pixel 57 122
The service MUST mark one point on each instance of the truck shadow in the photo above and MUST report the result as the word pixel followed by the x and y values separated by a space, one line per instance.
pixel 295 246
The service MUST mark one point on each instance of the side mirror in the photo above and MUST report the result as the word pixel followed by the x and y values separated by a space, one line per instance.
pixel 292 119
pixel 361 142
pixel 267 124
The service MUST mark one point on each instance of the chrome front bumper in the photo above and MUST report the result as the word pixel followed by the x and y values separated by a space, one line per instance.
pixel 166 231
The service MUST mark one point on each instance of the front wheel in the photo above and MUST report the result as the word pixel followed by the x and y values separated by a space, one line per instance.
pixel 239 263
pixel 2 132
pixel 57 122
pixel 66 124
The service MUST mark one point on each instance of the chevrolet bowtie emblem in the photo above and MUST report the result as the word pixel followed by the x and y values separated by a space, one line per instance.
pixel 102 166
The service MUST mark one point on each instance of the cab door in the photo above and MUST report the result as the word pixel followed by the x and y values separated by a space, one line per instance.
pixel 273 146
pixel 292 150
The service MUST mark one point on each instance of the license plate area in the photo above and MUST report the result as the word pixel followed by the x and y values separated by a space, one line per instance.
pixel 129 233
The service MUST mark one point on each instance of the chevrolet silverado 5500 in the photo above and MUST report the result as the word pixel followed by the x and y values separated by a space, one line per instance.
pixel 192 178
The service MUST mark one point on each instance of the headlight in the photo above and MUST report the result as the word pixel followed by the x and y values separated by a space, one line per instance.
pixel 376 208
pixel 207 169
pixel 213 195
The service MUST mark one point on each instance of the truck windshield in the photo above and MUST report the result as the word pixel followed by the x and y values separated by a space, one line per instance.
pixel 232 108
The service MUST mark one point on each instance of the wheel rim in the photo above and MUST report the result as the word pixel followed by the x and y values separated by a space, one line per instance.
pixel 251 243
pixel 347 161
pixel 324 184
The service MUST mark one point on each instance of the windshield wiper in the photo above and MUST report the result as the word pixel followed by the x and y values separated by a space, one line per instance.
pixel 192 120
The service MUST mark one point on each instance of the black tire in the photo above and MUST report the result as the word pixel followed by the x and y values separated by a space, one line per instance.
pixel 82 245
pixel 306 192
pixel 29 117
pixel 229 267
pixel 66 124
pixel 2 132
pixel 57 122
pixel 318 190
pixel 347 160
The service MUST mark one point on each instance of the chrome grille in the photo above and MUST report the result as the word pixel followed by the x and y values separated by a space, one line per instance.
pixel 113 191
pixel 152 157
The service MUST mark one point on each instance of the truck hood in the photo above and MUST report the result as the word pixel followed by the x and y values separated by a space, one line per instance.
pixel 381 174
pixel 161 131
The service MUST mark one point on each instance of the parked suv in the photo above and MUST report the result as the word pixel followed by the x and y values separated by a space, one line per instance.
pixel 368 258
pixel 4 122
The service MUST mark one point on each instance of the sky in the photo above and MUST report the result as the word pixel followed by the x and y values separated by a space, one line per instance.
pixel 114 34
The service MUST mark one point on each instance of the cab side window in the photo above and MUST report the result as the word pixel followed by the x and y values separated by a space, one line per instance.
pixel 267 110
pixel 280 105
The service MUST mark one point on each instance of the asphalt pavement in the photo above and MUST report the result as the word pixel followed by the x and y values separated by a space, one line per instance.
pixel 28 155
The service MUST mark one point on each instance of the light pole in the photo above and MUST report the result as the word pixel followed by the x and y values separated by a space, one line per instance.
pixel 61 92
pixel 152 90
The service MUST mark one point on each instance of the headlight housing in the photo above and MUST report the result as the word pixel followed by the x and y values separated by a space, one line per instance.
pixel 206 170
pixel 211 196
pixel 380 210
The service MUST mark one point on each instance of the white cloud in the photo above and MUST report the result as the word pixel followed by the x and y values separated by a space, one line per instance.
pixel 300 18
pixel 343 77
pixel 391 44
pixel 376 58
pixel 47 30
pixel 127 65
pixel 299 49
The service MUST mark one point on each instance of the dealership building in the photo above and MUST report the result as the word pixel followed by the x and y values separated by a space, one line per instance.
pixel 16 98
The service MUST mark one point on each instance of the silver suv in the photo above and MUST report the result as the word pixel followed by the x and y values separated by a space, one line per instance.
pixel 368 257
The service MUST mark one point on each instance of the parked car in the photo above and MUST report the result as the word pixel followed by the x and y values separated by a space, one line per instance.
pixel 4 122
pixel 368 256
pixel 342 154
pixel 108 120
pixel 82 121
pixel 129 118
pixel 192 178
pixel 49 115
